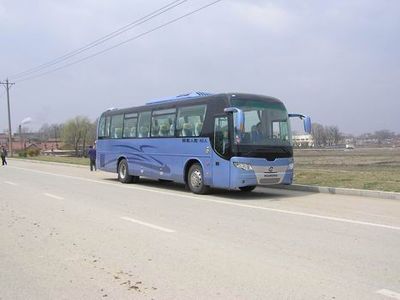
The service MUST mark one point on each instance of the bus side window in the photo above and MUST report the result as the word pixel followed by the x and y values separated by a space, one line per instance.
pixel 117 122
pixel 155 128
pixel 190 120
pixel 107 127
pixel 102 127
pixel 198 128
pixel 130 127
pixel 163 122
pixel 144 124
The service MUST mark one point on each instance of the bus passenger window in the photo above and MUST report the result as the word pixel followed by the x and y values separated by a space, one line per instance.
pixel 198 128
pixel 155 128
pixel 187 129
pixel 107 127
pixel 130 127
pixel 117 122
pixel 102 127
pixel 144 124
pixel 164 130
pixel 118 133
pixel 171 127
pixel 144 131
pixel 163 123
pixel 190 120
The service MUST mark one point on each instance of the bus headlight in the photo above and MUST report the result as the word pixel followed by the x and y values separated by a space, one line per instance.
pixel 291 166
pixel 243 166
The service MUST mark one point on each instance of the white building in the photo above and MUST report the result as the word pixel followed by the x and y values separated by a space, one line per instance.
pixel 303 141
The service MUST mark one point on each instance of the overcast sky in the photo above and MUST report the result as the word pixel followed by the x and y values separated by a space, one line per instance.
pixel 337 61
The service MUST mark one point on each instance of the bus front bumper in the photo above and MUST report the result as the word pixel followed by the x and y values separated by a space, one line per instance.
pixel 262 172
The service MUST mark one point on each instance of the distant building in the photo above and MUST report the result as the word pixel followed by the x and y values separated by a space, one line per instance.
pixel 303 141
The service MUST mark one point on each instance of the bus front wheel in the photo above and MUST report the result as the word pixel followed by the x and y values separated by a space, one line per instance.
pixel 123 173
pixel 195 180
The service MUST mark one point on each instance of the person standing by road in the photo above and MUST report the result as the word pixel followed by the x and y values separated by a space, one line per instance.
pixel 3 154
pixel 92 158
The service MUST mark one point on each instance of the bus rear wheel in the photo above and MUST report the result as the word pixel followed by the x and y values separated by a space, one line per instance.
pixel 248 188
pixel 195 180
pixel 123 173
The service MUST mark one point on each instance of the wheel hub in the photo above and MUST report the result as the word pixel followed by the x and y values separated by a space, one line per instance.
pixel 122 171
pixel 196 179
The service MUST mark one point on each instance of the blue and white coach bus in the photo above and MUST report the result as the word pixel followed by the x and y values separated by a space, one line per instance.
pixel 230 141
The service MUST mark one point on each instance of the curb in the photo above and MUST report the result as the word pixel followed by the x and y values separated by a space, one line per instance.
pixel 48 162
pixel 340 191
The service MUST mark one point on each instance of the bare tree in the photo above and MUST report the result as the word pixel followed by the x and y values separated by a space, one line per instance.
pixel 333 135
pixel 55 131
pixel 337 135
pixel 92 132
pixel 384 134
pixel 319 135
pixel 47 132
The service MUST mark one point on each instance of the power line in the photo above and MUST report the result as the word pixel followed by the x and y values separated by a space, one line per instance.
pixel 122 43
pixel 101 40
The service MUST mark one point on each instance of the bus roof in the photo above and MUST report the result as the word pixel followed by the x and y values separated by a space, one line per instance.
pixel 180 97
pixel 192 97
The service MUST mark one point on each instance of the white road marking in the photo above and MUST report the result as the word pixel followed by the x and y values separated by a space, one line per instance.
pixel 389 293
pixel 148 225
pixel 177 194
pixel 10 183
pixel 53 196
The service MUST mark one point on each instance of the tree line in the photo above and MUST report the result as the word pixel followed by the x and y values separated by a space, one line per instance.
pixel 332 136
pixel 76 133
pixel 325 135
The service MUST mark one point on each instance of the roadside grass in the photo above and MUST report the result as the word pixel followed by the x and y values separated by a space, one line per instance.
pixel 370 169
pixel 60 159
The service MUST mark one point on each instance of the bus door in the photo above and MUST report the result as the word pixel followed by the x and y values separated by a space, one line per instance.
pixel 222 148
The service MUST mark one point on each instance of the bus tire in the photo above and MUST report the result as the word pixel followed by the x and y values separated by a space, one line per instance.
pixel 123 172
pixel 195 180
pixel 248 188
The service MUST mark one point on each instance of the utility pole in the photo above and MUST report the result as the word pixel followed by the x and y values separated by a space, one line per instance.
pixel 7 84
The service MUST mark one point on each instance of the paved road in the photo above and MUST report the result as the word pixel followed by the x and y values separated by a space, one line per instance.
pixel 67 233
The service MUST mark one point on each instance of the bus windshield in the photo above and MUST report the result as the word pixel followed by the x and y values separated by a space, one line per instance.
pixel 265 123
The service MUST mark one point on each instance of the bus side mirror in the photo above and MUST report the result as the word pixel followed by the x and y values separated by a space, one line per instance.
pixel 239 117
pixel 307 124
pixel 306 121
